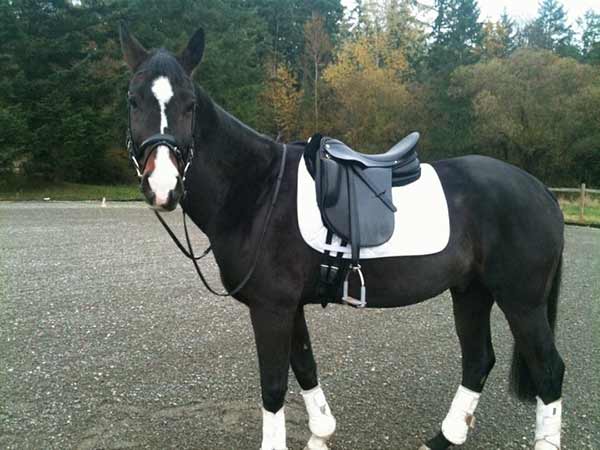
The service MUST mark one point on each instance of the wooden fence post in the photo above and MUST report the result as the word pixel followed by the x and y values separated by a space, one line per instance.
pixel 582 203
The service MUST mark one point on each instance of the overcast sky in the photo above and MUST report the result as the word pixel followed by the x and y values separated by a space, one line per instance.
pixel 522 9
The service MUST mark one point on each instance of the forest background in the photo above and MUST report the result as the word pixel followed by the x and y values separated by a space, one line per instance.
pixel 524 92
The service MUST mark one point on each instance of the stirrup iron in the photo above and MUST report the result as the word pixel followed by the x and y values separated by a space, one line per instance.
pixel 363 289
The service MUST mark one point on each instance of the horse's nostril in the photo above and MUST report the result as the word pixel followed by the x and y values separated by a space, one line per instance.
pixel 151 197
pixel 175 195
pixel 172 198
pixel 147 190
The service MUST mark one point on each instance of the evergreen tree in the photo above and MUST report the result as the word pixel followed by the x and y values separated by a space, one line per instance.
pixel 508 33
pixel 457 34
pixel 457 37
pixel 404 31
pixel 591 37
pixel 285 21
pixel 369 20
pixel 59 87
pixel 550 30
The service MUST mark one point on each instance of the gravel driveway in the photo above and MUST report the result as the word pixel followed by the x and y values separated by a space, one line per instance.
pixel 109 341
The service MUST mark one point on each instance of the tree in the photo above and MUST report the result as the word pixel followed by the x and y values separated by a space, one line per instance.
pixel 550 30
pixel 590 23
pixel 404 30
pixel 498 38
pixel 317 47
pixel 368 17
pixel 61 100
pixel 285 21
pixel 457 35
pixel 372 105
pixel 12 139
pixel 534 109
pixel 282 98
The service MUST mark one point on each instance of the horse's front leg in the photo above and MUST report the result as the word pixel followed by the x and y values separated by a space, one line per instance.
pixel 273 327
pixel 320 420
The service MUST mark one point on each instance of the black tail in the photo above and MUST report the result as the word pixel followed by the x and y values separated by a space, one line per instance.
pixel 521 383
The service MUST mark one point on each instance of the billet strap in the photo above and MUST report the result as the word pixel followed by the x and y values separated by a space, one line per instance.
pixel 331 272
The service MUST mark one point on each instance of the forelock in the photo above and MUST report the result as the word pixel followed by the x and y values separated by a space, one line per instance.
pixel 162 62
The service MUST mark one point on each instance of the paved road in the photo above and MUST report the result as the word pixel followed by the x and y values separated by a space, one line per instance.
pixel 107 340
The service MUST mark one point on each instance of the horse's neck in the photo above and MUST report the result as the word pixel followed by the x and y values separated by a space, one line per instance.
pixel 233 169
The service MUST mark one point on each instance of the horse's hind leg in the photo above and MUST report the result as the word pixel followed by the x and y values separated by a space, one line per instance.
pixel 535 344
pixel 320 420
pixel 472 308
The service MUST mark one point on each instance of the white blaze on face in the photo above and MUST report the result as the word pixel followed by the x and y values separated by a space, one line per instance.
pixel 164 175
pixel 162 90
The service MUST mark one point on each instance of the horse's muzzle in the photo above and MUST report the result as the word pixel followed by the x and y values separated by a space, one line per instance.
pixel 164 201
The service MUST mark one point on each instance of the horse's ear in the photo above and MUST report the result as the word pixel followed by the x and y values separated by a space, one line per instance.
pixel 192 55
pixel 133 52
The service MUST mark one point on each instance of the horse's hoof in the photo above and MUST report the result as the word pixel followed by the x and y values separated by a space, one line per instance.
pixel 543 444
pixel 316 443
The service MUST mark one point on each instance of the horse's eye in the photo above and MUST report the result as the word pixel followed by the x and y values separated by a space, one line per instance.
pixel 132 102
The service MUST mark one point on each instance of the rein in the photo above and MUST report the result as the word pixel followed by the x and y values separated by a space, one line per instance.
pixel 189 252
pixel 260 241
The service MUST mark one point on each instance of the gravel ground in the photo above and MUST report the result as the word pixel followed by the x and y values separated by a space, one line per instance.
pixel 108 340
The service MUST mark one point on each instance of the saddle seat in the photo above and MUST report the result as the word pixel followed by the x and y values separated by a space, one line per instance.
pixel 393 157
pixel 354 194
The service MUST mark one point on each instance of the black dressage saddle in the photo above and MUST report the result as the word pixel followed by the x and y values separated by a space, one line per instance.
pixel 354 194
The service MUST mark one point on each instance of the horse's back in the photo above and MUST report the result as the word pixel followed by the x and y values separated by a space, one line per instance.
pixel 499 191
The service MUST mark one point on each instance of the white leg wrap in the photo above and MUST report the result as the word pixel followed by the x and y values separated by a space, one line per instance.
pixel 273 430
pixel 320 420
pixel 547 425
pixel 460 417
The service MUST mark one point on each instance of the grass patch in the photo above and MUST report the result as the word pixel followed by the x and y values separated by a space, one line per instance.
pixel 69 191
pixel 591 214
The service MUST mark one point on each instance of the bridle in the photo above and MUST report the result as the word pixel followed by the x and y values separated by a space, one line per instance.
pixel 184 156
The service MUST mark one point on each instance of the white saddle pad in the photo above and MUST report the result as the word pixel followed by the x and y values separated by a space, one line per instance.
pixel 422 225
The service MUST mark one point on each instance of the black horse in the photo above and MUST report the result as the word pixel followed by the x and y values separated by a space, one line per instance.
pixel 505 247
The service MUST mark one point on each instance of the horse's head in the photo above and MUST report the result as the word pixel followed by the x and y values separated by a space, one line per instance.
pixel 162 103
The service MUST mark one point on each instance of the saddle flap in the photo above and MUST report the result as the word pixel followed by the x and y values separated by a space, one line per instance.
pixel 341 192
